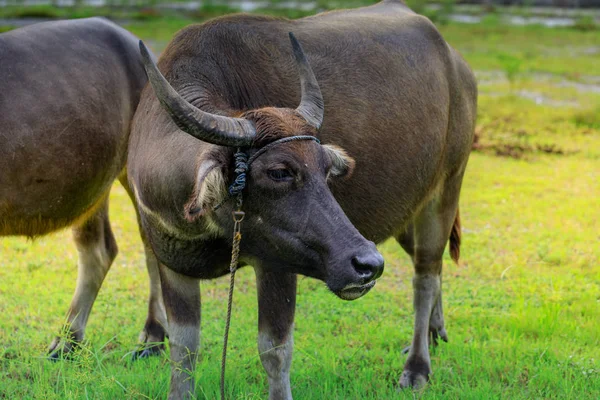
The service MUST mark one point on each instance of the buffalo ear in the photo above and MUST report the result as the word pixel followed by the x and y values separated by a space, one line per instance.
pixel 342 165
pixel 210 189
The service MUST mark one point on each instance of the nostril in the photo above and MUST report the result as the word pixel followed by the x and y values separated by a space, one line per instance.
pixel 365 267
pixel 363 270
pixel 368 267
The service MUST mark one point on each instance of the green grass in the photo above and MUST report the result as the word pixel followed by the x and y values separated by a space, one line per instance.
pixel 6 28
pixel 522 308
pixel 564 51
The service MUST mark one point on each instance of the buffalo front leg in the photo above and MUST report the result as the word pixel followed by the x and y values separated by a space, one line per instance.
pixel 276 308
pixel 181 296
pixel 431 229
pixel 97 249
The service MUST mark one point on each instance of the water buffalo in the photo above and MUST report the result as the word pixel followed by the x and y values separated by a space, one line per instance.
pixel 68 92
pixel 394 108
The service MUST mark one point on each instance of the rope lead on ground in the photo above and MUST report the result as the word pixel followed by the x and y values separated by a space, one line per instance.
pixel 238 217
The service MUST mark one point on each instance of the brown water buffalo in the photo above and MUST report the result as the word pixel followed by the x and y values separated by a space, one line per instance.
pixel 394 108
pixel 68 92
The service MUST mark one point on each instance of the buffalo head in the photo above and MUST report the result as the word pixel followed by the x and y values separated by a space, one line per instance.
pixel 292 221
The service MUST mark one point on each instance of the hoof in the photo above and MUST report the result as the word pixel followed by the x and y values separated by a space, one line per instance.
pixel 148 351
pixel 416 373
pixel 62 349
pixel 61 355
pixel 57 356
pixel 413 380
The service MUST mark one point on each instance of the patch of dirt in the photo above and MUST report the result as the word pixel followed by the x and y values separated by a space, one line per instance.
pixel 516 150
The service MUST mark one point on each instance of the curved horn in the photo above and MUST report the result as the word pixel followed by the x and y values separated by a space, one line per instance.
pixel 212 128
pixel 311 105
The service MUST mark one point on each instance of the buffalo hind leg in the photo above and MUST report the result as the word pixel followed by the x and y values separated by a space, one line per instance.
pixel 276 308
pixel 437 328
pixel 430 232
pixel 97 249
pixel 152 336
pixel 181 296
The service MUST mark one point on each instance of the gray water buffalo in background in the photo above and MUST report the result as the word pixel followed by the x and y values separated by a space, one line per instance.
pixel 394 108
pixel 68 92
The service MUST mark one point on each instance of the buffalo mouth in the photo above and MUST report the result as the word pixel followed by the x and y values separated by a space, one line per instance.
pixel 353 292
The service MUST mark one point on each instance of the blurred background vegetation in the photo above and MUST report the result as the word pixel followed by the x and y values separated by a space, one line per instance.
pixel 543 52
pixel 578 13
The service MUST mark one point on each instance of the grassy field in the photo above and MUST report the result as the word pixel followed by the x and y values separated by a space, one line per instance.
pixel 522 308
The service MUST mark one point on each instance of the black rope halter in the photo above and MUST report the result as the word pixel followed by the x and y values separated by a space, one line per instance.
pixel 243 162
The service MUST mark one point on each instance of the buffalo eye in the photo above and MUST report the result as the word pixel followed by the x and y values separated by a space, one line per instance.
pixel 280 175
